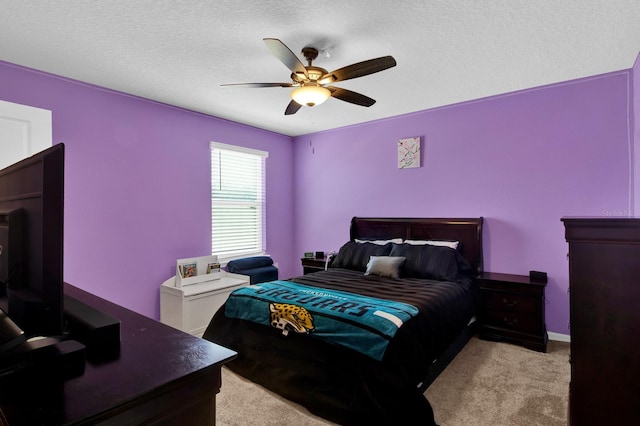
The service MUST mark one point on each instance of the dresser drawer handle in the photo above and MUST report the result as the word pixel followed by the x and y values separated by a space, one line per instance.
pixel 509 305
pixel 510 323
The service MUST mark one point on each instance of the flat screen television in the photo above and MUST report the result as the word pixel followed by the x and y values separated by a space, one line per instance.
pixel 31 237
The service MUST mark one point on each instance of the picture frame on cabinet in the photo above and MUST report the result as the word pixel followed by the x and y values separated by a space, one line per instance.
pixel 188 270
pixel 213 268
pixel 196 270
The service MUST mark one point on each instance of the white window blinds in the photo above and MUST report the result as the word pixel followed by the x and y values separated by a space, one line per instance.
pixel 237 201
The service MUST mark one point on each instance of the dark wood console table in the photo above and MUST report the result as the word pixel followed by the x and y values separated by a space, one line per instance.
pixel 162 376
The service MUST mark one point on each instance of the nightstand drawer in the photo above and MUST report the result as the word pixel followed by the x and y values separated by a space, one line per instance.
pixel 516 321
pixel 503 301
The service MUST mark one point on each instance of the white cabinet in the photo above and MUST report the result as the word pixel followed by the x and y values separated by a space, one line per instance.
pixel 191 308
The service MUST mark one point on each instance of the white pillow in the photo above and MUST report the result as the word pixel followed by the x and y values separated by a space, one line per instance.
pixel 451 244
pixel 385 266
pixel 380 242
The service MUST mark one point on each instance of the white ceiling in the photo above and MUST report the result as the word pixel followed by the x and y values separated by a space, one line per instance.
pixel 448 51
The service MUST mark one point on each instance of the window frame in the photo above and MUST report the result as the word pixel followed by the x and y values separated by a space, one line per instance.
pixel 259 249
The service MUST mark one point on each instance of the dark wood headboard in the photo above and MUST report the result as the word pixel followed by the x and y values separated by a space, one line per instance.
pixel 468 231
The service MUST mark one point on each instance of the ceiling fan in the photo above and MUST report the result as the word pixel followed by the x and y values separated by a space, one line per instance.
pixel 313 82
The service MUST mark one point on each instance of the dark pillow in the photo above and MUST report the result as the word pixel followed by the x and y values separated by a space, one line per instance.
pixel 432 262
pixel 355 256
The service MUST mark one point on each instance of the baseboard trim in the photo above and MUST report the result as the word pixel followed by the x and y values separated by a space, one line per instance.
pixel 559 337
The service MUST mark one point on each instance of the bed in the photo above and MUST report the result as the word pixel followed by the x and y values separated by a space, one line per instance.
pixel 424 291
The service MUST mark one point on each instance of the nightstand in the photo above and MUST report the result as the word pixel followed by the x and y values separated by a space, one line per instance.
pixel 313 264
pixel 512 310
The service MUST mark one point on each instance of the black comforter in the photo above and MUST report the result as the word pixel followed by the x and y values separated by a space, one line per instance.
pixel 341 384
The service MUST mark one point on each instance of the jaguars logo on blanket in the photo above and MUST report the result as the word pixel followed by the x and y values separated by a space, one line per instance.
pixel 287 317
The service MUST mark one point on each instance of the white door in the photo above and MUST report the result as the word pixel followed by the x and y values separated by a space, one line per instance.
pixel 24 130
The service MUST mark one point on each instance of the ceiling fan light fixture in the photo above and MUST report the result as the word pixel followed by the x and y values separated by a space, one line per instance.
pixel 310 95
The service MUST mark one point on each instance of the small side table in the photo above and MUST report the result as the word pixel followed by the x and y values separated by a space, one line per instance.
pixel 313 264
pixel 512 310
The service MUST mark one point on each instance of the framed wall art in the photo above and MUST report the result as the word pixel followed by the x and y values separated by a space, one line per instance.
pixel 409 153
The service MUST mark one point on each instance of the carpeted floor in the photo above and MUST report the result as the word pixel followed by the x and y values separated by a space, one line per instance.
pixel 488 383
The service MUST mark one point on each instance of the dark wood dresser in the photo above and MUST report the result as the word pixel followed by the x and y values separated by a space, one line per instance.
pixel 161 376
pixel 512 310
pixel 604 274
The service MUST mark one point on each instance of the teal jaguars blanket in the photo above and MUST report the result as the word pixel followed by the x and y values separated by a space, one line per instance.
pixel 362 323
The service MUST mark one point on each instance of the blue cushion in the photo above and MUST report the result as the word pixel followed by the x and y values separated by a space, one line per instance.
pixel 262 274
pixel 238 265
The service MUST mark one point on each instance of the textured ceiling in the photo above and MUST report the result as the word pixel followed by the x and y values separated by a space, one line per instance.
pixel 180 52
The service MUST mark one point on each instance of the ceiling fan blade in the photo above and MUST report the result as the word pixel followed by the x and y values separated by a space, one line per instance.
pixel 351 97
pixel 285 55
pixel 257 85
pixel 292 108
pixel 359 69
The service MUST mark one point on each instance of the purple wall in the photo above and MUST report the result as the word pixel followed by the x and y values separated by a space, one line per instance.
pixel 137 178
pixel 137 191
pixel 521 160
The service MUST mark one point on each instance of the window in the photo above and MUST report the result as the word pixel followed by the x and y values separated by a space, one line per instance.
pixel 237 201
